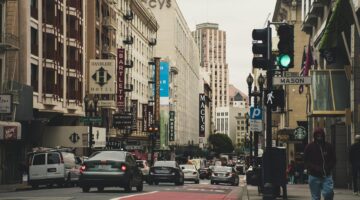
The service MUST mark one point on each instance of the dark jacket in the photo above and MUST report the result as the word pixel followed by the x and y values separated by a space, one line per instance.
pixel 354 154
pixel 319 159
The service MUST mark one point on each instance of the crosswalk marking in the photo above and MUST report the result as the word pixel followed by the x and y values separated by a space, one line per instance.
pixel 134 195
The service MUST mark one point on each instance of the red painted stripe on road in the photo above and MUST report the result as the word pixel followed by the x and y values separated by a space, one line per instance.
pixel 177 196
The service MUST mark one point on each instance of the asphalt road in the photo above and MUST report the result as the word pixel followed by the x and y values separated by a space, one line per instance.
pixel 163 191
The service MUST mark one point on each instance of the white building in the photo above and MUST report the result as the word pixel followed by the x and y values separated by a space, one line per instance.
pixel 176 45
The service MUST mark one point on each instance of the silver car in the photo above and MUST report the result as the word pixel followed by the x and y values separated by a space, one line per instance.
pixel 190 173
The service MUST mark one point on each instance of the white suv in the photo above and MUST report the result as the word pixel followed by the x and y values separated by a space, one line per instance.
pixel 53 166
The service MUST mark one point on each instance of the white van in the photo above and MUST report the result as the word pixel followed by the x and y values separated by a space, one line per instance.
pixel 52 167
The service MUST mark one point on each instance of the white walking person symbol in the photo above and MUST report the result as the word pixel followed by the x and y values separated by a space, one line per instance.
pixel 270 97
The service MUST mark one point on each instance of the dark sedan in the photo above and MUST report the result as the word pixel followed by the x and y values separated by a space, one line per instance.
pixel 166 171
pixel 109 169
pixel 223 174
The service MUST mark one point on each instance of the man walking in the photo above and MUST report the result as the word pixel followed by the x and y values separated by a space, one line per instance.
pixel 320 161
pixel 355 163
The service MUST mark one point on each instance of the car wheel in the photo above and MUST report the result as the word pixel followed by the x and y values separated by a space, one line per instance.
pixel 156 182
pixel 100 189
pixel 197 182
pixel 212 182
pixel 217 183
pixel 68 181
pixel 140 187
pixel 85 189
pixel 151 183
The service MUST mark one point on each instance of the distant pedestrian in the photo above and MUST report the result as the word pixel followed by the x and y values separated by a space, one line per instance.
pixel 355 163
pixel 291 172
pixel 320 160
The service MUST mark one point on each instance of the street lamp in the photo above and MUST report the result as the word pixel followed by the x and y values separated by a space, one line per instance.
pixel 255 93
pixel 90 111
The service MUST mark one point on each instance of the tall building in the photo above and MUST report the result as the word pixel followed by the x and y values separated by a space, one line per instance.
pixel 177 46
pixel 212 45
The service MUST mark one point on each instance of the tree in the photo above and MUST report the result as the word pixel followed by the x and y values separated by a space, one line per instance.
pixel 221 143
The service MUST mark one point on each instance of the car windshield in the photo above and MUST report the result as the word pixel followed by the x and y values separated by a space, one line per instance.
pixel 109 155
pixel 222 169
pixel 187 166
pixel 165 164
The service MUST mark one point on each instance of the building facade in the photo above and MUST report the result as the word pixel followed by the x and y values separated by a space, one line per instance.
pixel 177 46
pixel 212 45
pixel 338 112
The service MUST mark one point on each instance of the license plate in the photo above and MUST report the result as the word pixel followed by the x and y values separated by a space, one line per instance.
pixel 52 170
pixel 103 167
pixel 162 171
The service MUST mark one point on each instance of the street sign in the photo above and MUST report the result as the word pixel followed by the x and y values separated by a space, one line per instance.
pixel 295 80
pixel 122 120
pixel 256 125
pixel 255 113
pixel 90 119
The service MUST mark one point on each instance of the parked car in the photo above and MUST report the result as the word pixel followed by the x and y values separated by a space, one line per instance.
pixel 223 174
pixel 110 169
pixel 52 166
pixel 190 173
pixel 166 171
pixel 145 169
pixel 205 173
pixel 240 168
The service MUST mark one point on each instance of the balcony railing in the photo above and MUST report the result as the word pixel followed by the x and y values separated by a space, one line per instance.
pixel 9 41
pixel 109 22
pixel 129 15
pixel 129 88
pixel 129 40
pixel 129 64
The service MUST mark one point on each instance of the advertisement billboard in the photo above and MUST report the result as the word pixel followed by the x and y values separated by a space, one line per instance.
pixel 164 83
pixel 120 95
pixel 145 117
pixel 202 103
pixel 172 126
pixel 134 108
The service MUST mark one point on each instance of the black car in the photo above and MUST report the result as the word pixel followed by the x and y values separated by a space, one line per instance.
pixel 109 169
pixel 166 171
pixel 223 174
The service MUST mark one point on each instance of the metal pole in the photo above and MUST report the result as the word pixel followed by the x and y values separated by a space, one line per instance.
pixel 251 141
pixel 256 137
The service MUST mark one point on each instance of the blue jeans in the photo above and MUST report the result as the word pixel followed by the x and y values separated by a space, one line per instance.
pixel 321 185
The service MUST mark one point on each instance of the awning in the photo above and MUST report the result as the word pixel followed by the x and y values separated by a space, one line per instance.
pixel 10 130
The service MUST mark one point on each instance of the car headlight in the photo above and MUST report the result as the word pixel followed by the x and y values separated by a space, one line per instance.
pixel 173 173
pixel 151 173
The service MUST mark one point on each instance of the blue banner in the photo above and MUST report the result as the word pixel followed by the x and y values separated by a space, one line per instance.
pixel 164 83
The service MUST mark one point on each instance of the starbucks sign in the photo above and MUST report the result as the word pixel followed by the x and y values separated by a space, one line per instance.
pixel 300 133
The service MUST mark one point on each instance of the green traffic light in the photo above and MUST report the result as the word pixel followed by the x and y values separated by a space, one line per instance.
pixel 284 60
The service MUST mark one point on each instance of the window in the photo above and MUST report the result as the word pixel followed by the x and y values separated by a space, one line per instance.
pixel 34 41
pixel 34 77
pixel 53 158
pixel 39 159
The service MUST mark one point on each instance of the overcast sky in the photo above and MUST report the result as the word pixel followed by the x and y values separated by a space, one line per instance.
pixel 237 18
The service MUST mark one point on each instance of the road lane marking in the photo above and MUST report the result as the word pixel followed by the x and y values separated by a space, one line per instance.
pixel 134 195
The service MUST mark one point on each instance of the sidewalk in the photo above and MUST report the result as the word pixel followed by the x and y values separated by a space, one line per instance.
pixel 298 192
pixel 14 187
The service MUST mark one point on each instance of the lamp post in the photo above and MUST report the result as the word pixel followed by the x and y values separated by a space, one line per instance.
pixel 250 81
pixel 90 111
pixel 255 93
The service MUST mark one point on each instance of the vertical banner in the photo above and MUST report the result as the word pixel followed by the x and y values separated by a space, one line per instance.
pixel 150 116
pixel 157 90
pixel 164 83
pixel 120 97
pixel 172 126
pixel 134 109
pixel 202 103
pixel 145 118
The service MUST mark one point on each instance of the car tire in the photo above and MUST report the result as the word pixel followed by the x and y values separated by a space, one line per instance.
pixel 128 188
pixel 197 181
pixel 100 189
pixel 156 182
pixel 85 189
pixel 212 182
pixel 150 183
pixel 217 183
pixel 140 187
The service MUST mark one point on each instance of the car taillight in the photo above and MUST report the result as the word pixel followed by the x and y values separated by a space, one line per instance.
pixel 82 169
pixel 123 168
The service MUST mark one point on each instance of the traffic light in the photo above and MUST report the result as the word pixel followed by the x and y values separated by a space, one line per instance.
pixel 285 58
pixel 91 140
pixel 261 47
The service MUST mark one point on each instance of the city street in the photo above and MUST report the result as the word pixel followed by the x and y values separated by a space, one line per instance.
pixel 163 191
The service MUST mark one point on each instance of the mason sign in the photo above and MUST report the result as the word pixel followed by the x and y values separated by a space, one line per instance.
pixel 295 80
